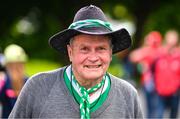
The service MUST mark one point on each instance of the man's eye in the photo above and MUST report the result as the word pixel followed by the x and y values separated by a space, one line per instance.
pixel 102 48
pixel 84 49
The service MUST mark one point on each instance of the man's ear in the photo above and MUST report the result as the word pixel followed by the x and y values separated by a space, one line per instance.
pixel 69 49
pixel 111 54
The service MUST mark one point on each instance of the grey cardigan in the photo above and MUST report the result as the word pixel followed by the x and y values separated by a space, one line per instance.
pixel 45 95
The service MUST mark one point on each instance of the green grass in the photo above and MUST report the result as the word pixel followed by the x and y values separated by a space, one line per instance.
pixel 35 66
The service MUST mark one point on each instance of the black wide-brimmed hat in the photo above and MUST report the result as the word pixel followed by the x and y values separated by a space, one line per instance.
pixel 90 20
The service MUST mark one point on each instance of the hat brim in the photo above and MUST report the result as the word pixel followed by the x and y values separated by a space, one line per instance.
pixel 120 39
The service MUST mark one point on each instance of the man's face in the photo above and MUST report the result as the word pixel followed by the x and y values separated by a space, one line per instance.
pixel 90 56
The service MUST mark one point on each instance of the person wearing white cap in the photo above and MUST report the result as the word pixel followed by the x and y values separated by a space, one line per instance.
pixel 15 59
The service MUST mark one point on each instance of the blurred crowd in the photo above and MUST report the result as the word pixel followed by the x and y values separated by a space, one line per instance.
pixel 159 62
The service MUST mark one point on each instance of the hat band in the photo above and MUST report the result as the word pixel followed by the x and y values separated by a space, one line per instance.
pixel 90 23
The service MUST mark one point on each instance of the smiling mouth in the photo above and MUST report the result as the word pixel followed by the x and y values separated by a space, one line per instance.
pixel 92 66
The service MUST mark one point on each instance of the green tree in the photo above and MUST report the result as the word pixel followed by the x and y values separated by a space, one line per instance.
pixel 43 18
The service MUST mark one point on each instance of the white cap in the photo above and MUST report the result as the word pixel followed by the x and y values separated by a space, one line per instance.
pixel 15 53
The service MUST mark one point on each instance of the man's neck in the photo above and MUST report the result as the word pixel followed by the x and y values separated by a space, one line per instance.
pixel 88 83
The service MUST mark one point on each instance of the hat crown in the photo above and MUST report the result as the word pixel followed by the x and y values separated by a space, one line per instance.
pixel 90 12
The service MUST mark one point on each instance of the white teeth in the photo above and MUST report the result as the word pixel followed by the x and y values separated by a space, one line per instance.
pixel 94 66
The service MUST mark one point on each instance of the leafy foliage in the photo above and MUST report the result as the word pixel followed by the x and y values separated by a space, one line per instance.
pixel 43 18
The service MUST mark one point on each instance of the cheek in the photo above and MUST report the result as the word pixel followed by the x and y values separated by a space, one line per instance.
pixel 108 60
pixel 108 57
pixel 78 58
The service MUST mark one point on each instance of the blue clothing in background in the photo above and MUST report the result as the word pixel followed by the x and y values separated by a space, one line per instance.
pixel 7 97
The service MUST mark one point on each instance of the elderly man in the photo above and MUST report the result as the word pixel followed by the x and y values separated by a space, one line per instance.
pixel 83 89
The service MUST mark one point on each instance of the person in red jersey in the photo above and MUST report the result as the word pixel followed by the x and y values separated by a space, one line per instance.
pixel 145 57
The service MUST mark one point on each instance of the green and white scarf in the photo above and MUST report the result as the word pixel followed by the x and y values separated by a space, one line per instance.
pixel 87 103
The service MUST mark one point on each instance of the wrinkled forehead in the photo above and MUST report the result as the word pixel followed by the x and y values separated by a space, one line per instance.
pixel 99 39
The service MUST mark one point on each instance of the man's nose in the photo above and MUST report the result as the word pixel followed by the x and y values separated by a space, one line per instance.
pixel 93 57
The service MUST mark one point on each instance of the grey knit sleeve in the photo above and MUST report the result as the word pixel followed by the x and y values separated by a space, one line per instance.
pixel 24 103
pixel 33 95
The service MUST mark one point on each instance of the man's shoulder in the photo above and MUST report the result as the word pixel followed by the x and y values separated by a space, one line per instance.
pixel 46 78
pixel 47 74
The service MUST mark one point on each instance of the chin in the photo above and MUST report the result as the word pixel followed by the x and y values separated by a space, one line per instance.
pixel 93 76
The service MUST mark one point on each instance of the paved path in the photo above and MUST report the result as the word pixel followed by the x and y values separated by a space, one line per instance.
pixel 143 102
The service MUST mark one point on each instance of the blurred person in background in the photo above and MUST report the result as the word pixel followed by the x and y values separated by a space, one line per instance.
pixel 144 58
pixel 15 58
pixel 167 76
pixel 2 74
pixel 2 70
pixel 2 61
